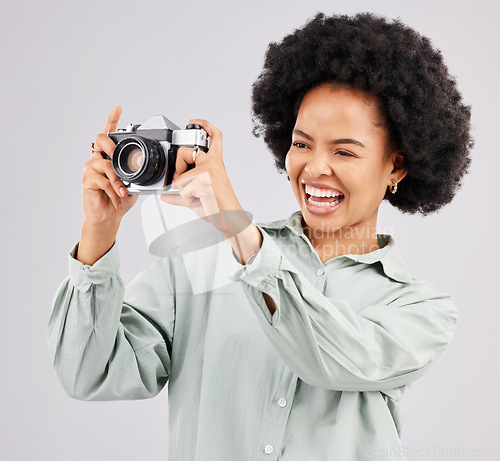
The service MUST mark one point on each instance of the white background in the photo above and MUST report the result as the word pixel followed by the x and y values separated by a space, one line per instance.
pixel 66 64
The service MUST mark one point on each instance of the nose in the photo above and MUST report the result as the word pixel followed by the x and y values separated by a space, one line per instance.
pixel 318 166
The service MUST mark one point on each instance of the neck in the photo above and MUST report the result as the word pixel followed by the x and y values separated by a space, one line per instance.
pixel 358 239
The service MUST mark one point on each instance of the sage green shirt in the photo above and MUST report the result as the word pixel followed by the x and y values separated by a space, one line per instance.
pixel 320 379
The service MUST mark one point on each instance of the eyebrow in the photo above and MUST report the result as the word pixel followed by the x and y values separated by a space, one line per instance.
pixel 333 141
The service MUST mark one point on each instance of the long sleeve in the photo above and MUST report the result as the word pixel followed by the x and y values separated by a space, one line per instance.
pixel 329 344
pixel 108 343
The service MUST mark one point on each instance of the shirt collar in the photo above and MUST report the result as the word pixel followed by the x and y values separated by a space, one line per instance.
pixel 388 254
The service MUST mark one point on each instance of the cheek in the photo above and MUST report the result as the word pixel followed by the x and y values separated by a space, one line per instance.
pixel 370 183
pixel 293 165
pixel 293 169
pixel 360 182
pixel 287 163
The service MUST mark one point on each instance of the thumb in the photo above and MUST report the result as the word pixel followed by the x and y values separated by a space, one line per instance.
pixel 173 199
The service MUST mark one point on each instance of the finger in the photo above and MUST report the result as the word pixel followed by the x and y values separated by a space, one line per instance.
pixel 115 181
pixel 105 168
pixel 213 132
pixel 113 119
pixel 172 199
pixel 183 160
pixel 103 143
pixel 187 192
pixel 199 189
pixel 188 195
pixel 181 181
pixel 193 203
pixel 204 191
pixel 94 181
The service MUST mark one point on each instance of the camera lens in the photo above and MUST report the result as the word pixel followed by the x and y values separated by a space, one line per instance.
pixel 139 160
pixel 135 160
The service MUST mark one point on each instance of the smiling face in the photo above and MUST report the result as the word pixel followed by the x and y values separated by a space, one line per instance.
pixel 340 163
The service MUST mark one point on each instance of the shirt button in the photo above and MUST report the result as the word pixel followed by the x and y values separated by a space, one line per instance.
pixel 268 449
pixel 320 271
pixel 282 402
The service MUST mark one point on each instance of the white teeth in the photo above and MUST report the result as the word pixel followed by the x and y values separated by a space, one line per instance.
pixel 336 202
pixel 321 192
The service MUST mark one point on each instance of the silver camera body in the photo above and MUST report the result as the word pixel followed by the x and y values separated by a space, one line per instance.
pixel 144 156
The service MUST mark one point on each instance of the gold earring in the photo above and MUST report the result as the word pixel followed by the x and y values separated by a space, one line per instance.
pixel 394 187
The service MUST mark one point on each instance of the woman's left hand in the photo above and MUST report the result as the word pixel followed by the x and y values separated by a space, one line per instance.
pixel 206 189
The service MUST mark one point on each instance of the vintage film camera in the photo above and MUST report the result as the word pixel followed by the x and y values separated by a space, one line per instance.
pixel 144 156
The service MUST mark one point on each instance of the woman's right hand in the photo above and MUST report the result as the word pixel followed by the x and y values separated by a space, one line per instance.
pixel 105 197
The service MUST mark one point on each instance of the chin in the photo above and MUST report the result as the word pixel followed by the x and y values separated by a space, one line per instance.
pixel 325 222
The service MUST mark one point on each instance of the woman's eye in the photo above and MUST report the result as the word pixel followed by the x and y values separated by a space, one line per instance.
pixel 298 144
pixel 345 154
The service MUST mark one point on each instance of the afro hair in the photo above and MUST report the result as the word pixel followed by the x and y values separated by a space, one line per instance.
pixel 418 99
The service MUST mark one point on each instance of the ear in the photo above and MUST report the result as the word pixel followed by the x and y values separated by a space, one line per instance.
pixel 398 171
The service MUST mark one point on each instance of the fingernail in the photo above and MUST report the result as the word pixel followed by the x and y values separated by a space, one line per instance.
pixel 123 191
pixel 119 206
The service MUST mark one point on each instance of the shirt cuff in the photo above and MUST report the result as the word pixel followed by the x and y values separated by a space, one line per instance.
pixel 263 268
pixel 82 276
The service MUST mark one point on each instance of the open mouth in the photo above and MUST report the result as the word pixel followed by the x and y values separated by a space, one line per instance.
pixel 322 197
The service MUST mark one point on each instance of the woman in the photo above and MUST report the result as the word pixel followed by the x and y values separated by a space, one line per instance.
pixel 307 353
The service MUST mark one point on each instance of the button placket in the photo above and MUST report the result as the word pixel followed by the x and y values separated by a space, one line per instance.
pixel 278 409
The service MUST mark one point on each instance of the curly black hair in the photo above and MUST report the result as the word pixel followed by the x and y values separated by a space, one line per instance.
pixel 418 98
